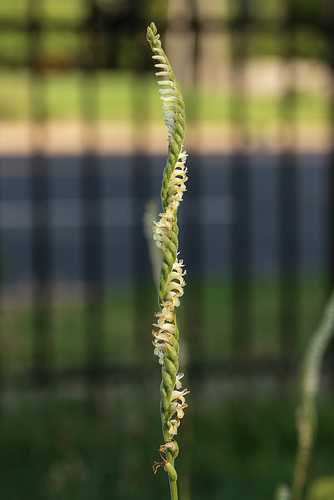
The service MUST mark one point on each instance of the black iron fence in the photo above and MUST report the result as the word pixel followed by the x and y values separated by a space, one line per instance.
pixel 77 296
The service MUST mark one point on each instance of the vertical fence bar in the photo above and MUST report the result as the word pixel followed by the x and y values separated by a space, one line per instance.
pixel 193 347
pixel 191 232
pixel 144 298
pixel 2 339
pixel 288 205
pixel 329 29
pixel 41 250
pixel 240 188
pixel 91 211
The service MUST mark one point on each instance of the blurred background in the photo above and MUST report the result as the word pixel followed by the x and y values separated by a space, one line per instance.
pixel 82 148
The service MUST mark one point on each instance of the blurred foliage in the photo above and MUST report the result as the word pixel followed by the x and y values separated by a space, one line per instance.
pixel 75 11
pixel 311 44
pixel 298 11
pixel 14 11
pixel 304 43
pixel 62 34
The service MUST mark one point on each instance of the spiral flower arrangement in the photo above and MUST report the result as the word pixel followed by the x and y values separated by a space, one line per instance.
pixel 165 234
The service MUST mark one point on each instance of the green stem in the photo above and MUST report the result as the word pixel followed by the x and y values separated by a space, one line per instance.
pixel 172 482
pixel 307 420
pixel 173 489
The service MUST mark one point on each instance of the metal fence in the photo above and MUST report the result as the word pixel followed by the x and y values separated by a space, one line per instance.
pixel 77 296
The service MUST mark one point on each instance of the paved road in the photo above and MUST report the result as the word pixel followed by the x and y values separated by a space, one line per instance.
pixel 235 208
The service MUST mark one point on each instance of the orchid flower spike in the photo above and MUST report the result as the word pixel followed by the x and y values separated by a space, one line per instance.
pixel 165 234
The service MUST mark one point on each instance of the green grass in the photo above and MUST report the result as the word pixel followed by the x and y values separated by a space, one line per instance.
pixel 55 447
pixel 118 328
pixel 264 306
pixel 124 97
pixel 68 321
pixel 237 441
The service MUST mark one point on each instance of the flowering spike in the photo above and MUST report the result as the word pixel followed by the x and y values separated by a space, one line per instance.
pixel 165 234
